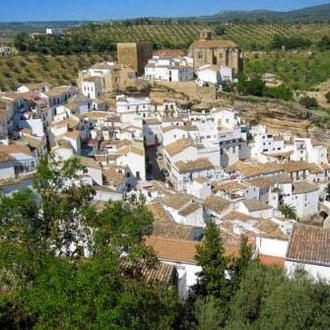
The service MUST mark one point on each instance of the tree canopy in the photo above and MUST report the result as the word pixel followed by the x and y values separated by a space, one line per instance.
pixel 45 280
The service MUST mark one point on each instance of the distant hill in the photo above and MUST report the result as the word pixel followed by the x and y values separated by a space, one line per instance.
pixel 309 14
pixel 11 28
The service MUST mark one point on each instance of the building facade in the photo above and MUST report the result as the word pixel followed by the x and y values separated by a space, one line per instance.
pixel 218 52
pixel 134 55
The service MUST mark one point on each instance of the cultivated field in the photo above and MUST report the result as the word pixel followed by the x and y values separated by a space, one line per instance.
pixel 249 36
pixel 57 70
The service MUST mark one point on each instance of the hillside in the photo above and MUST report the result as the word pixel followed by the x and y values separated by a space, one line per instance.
pixel 316 13
pixel 57 70
pixel 249 36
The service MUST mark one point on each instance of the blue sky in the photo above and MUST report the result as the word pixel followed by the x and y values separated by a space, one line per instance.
pixel 28 10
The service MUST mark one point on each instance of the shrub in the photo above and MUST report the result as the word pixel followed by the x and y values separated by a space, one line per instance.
pixel 308 102
pixel 327 96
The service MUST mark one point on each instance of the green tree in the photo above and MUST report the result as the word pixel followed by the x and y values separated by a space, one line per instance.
pixel 220 30
pixel 281 92
pixel 208 313
pixel 211 257
pixel 308 102
pixel 243 261
pixel 253 86
pixel 288 211
pixel 41 290
pixel 324 43
pixel 246 306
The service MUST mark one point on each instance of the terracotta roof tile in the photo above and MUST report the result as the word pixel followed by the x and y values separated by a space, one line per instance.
pixel 254 169
pixel 165 226
pixel 216 204
pixel 73 134
pixel 189 209
pixel 194 165
pixel 315 168
pixel 309 244
pixel 186 128
pixel 216 43
pixel 177 201
pixel 160 272
pixel 253 205
pixel 303 187
pixel 179 146
pixel 89 162
pixel 114 174
pixel 260 182
pixel 271 260
pixel 173 249
pixel 296 166
pixel 15 148
pixel 5 157
pixel 231 186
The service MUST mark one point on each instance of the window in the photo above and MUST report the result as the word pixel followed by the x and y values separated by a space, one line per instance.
pixel 85 170
pixel 200 56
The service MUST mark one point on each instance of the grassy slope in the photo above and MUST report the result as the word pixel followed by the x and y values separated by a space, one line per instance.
pixel 58 70
pixel 300 70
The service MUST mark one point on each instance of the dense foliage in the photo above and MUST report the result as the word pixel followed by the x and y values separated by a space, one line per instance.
pixel 68 44
pixel 45 282
pixel 308 102
pixel 299 70
pixel 256 296
pixel 256 86
pixel 283 42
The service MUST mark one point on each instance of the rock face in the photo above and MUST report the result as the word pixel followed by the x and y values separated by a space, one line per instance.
pixel 284 118
pixel 278 117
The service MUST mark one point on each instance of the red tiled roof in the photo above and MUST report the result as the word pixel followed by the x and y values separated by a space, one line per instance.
pixel 271 260
pixel 309 244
